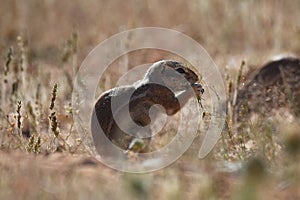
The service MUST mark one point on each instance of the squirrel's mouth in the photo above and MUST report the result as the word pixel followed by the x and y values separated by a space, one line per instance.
pixel 196 84
pixel 193 80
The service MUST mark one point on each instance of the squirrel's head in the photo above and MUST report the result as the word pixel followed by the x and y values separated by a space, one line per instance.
pixel 172 74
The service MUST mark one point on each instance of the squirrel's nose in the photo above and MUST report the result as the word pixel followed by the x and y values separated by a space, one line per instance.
pixel 202 91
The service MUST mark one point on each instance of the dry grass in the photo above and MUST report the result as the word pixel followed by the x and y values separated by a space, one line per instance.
pixel 42 44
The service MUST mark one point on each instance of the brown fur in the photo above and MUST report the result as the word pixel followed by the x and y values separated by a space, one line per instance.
pixel 146 93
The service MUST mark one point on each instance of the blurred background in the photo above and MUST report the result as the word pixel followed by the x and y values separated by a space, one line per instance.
pixel 44 42
pixel 252 29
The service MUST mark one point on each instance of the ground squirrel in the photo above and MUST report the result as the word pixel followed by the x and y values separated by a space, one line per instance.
pixel 167 83
pixel 276 85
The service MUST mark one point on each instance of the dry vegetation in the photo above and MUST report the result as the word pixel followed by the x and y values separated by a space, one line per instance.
pixel 42 44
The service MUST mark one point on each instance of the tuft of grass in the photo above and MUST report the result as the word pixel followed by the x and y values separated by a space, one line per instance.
pixel 53 123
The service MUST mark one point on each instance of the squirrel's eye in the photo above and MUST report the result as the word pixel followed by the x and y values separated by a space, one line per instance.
pixel 180 70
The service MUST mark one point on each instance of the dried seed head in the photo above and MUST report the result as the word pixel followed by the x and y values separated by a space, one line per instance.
pixel 19 123
pixel 54 92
